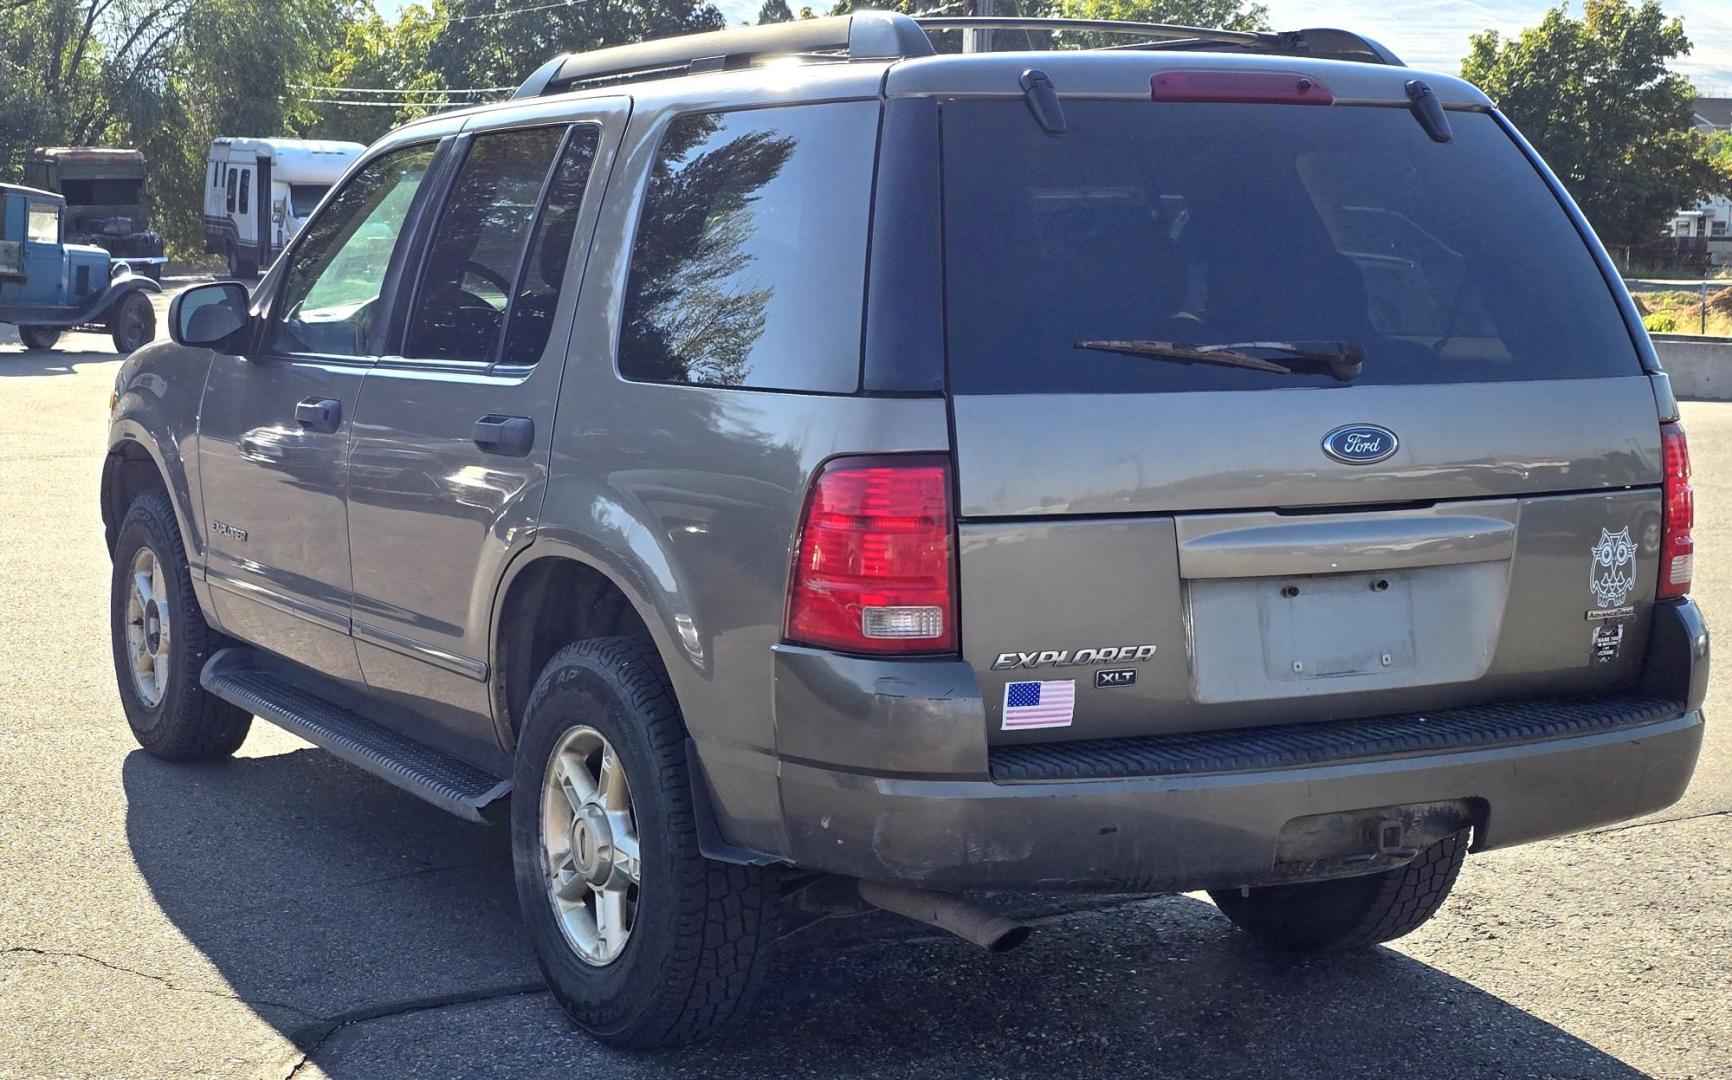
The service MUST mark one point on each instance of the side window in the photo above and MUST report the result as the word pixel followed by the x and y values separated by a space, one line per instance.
pixel 470 273
pixel 44 223
pixel 750 261
pixel 231 191
pixel 531 319
pixel 246 179
pixel 337 270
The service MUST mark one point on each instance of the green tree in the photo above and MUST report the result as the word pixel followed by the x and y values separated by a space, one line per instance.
pixel 1213 14
pixel 499 42
pixel 1595 97
pixel 775 11
pixel 391 60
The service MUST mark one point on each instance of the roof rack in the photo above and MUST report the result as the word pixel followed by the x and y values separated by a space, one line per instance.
pixel 885 35
pixel 1324 44
pixel 864 35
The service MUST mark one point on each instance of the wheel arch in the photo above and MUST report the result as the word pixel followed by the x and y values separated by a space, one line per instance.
pixel 533 618
pixel 134 464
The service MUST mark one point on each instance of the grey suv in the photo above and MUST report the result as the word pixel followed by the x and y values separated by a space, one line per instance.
pixel 794 470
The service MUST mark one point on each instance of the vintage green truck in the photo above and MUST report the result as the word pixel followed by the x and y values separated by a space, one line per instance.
pixel 106 202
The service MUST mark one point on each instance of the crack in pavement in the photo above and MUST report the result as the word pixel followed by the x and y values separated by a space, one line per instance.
pixel 163 980
pixel 317 1035
pixel 1627 826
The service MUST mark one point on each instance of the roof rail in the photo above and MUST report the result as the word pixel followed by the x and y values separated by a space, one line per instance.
pixel 864 35
pixel 1324 44
pixel 886 35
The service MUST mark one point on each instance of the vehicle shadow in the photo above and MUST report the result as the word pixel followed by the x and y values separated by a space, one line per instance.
pixel 16 360
pixel 326 897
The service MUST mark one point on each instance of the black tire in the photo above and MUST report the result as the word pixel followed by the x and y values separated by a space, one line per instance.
pixel 702 930
pixel 240 267
pixel 186 724
pixel 132 322
pixel 39 338
pixel 1349 913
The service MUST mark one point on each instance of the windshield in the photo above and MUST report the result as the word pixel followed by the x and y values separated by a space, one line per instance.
pixel 1207 225
pixel 304 197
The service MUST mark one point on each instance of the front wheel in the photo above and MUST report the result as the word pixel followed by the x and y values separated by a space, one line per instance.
pixel 643 940
pixel 132 323
pixel 161 642
pixel 1349 913
pixel 39 338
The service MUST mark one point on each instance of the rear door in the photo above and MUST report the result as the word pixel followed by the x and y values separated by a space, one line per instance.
pixel 1176 541
pixel 453 430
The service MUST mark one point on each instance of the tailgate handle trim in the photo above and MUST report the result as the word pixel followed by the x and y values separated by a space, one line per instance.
pixel 1275 549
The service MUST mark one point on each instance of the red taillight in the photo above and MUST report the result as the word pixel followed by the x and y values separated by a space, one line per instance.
pixel 1240 87
pixel 873 568
pixel 1677 549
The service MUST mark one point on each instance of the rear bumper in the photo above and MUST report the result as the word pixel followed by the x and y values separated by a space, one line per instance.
pixel 872 786
pixel 1211 831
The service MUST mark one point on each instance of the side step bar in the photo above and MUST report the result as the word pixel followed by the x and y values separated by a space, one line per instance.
pixel 452 785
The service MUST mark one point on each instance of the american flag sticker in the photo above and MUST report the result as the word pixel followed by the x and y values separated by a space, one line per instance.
pixel 1039 704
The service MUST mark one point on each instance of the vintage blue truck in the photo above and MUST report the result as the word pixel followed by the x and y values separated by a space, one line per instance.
pixel 48 287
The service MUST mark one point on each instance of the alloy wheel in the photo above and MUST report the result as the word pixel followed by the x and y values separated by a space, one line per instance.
pixel 148 628
pixel 590 855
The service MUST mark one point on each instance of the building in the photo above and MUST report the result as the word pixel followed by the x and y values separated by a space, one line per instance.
pixel 1712 220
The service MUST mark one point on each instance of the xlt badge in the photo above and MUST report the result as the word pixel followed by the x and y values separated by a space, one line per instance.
pixel 1116 677
pixel 1121 654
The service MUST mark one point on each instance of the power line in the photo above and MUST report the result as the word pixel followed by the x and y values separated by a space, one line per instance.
pixel 508 14
pixel 395 90
pixel 383 104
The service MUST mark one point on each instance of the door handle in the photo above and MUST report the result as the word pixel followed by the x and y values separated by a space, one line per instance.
pixel 499 434
pixel 319 414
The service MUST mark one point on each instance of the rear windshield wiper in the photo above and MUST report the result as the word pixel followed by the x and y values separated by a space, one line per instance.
pixel 1341 360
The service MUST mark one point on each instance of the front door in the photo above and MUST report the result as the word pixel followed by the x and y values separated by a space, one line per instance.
pixel 275 428
pixel 451 437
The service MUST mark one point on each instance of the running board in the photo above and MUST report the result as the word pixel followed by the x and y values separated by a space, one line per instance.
pixel 452 785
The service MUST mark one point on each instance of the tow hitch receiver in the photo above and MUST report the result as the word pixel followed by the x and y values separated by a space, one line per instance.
pixel 1364 841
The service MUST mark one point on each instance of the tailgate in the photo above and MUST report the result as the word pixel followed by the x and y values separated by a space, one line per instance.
pixel 1173 518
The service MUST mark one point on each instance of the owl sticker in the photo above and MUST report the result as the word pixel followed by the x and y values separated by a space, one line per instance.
pixel 1612 568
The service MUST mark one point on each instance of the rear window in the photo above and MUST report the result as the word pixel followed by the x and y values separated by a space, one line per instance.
pixel 1206 224
pixel 749 268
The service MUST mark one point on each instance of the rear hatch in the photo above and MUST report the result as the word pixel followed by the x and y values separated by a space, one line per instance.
pixel 1150 546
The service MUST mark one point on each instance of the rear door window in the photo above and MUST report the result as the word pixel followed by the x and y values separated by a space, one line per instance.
pixel 1207 224
pixel 471 269
pixel 749 266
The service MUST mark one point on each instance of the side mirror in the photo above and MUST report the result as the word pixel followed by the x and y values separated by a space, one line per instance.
pixel 210 316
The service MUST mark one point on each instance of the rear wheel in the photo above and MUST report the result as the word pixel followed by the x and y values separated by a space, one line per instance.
pixel 39 338
pixel 241 268
pixel 161 642
pixel 1349 913
pixel 643 940
pixel 132 322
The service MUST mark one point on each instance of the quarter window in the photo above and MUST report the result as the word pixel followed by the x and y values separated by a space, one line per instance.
pixel 750 260
pixel 471 270
pixel 246 180
pixel 335 274
pixel 231 191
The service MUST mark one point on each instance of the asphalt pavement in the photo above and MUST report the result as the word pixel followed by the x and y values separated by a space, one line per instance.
pixel 284 914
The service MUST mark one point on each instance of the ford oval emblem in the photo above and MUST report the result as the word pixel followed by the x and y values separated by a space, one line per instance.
pixel 1360 444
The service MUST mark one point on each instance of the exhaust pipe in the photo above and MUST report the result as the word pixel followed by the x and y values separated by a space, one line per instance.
pixel 994 933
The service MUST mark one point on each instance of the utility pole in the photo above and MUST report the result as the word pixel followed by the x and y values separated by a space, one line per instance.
pixel 978 40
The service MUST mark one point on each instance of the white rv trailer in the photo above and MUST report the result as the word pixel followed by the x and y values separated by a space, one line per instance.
pixel 259 191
